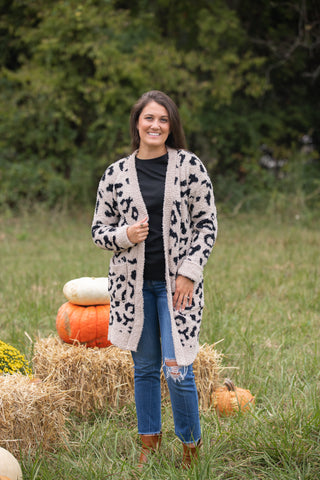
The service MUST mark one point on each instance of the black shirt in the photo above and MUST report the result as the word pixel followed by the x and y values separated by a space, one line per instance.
pixel 152 176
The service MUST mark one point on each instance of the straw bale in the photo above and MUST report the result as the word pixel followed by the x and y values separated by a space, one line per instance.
pixel 207 369
pixel 94 377
pixel 32 415
pixel 98 378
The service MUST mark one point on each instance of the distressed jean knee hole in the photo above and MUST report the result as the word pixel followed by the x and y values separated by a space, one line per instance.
pixel 174 371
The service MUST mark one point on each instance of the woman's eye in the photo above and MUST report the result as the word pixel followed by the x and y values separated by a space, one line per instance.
pixel 163 120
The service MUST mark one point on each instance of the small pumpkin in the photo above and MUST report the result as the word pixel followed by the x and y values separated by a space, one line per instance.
pixel 86 325
pixel 87 291
pixel 229 399
pixel 9 466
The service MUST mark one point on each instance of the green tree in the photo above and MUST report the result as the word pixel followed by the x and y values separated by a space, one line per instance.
pixel 70 72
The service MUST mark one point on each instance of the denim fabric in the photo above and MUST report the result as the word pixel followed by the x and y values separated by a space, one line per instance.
pixel 156 349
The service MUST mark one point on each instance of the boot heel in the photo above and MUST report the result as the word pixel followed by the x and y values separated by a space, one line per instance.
pixel 190 454
pixel 150 444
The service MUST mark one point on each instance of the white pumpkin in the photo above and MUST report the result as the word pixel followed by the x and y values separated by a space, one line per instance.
pixel 9 465
pixel 87 291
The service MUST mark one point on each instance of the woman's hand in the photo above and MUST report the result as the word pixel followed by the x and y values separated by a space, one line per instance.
pixel 183 293
pixel 138 232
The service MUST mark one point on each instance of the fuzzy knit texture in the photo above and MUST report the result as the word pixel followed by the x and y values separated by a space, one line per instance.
pixel 189 233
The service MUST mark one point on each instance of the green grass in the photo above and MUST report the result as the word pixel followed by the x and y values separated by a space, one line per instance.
pixel 262 306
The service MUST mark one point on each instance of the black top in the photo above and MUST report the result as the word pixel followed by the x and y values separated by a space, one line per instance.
pixel 152 176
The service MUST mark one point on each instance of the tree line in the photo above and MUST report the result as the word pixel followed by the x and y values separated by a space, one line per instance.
pixel 243 73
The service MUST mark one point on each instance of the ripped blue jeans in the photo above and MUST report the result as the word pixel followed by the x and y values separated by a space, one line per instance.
pixel 155 350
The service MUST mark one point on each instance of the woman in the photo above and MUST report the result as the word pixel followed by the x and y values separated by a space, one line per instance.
pixel 155 210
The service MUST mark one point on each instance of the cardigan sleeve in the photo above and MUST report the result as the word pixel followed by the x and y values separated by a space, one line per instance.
pixel 203 218
pixel 109 230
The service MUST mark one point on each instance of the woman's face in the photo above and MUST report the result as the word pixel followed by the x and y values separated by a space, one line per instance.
pixel 153 127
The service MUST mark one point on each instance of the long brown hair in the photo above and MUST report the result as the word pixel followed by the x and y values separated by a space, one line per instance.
pixel 176 138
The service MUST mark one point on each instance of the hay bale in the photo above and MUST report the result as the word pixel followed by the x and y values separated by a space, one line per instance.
pixel 96 379
pixel 207 369
pixel 32 415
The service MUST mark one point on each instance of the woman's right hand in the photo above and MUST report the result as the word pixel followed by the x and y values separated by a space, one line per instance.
pixel 138 232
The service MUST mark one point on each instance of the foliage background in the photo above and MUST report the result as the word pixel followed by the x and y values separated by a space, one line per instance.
pixel 243 74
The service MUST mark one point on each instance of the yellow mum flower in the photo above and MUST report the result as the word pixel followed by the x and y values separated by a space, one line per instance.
pixel 12 361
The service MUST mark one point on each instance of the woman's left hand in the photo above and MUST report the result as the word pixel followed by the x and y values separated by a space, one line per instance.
pixel 183 293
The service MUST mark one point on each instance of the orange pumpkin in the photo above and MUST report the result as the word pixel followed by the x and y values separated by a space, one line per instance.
pixel 87 325
pixel 229 399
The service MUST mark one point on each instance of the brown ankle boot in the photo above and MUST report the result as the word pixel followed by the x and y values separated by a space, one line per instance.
pixel 150 443
pixel 190 454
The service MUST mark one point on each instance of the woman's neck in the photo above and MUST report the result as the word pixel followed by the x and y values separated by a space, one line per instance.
pixel 145 153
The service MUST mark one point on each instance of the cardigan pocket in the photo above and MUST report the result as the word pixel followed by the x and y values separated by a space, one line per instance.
pixel 117 283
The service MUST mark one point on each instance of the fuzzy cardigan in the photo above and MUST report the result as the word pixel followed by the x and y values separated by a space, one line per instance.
pixel 189 233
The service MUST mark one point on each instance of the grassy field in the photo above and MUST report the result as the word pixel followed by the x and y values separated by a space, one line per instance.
pixel 262 306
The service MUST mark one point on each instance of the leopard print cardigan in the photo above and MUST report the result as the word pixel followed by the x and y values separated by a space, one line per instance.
pixel 189 232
